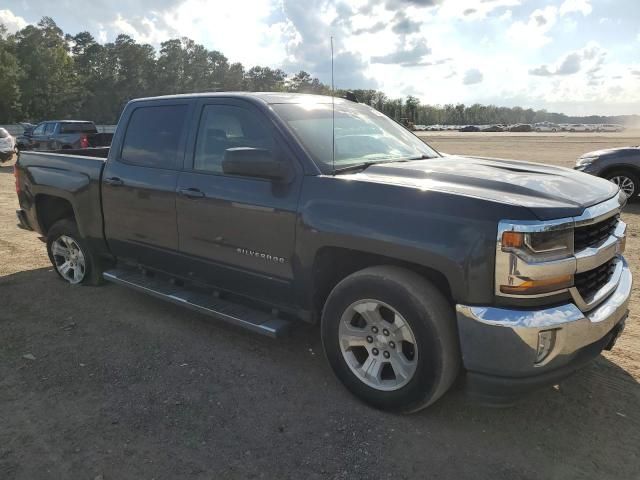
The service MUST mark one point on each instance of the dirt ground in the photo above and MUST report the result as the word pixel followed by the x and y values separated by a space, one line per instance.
pixel 108 383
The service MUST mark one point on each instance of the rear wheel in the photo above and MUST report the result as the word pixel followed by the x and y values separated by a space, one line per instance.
pixel 390 337
pixel 626 180
pixel 71 255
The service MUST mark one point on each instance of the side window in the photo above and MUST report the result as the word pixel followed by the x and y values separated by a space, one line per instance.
pixel 153 136
pixel 223 127
pixel 39 130
pixel 50 127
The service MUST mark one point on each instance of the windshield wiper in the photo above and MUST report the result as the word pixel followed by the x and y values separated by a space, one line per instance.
pixel 419 157
pixel 357 166
pixel 365 165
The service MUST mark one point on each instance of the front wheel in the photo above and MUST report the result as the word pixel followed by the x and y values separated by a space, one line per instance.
pixel 626 180
pixel 390 337
pixel 71 255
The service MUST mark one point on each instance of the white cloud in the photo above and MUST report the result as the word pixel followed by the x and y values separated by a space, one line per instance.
pixel 506 16
pixel 473 9
pixel 146 30
pixel 253 40
pixel 588 59
pixel 534 32
pixel 472 76
pixel 576 6
pixel 11 21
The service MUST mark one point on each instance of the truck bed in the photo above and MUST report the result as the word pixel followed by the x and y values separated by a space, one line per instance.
pixel 69 177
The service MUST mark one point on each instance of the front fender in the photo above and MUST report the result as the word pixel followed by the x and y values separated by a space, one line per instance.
pixel 451 234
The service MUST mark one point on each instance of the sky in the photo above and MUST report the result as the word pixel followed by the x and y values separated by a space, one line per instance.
pixel 579 57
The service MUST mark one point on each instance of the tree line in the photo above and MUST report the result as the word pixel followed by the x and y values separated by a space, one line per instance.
pixel 46 74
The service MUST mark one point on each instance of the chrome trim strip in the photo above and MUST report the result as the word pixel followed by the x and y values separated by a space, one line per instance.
pixel 586 304
pixel 601 211
pixel 538 319
pixel 503 341
pixel 592 257
pixel 593 214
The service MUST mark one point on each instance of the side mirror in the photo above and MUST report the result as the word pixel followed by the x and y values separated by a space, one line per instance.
pixel 254 162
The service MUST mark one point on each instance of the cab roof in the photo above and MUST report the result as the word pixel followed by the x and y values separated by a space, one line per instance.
pixel 266 97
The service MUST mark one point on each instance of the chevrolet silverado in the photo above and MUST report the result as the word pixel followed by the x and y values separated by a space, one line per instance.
pixel 266 209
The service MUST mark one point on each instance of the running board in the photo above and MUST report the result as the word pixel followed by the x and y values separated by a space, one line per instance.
pixel 234 313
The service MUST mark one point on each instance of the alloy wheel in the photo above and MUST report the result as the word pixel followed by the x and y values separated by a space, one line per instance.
pixel 378 345
pixel 69 259
pixel 625 184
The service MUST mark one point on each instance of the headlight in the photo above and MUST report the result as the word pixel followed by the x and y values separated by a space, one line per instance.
pixel 534 262
pixel 583 161
pixel 539 246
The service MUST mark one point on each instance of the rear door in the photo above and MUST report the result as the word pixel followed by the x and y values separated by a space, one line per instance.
pixel 139 183
pixel 237 232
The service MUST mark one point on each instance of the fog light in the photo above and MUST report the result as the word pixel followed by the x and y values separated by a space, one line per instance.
pixel 546 341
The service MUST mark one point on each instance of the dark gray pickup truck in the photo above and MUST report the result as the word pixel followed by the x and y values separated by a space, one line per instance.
pixel 267 209
pixel 63 135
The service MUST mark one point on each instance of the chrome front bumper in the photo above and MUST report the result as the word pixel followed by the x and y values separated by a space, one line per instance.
pixel 504 342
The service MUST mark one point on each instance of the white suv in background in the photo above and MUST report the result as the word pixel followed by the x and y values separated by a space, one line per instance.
pixel 546 127
pixel 7 146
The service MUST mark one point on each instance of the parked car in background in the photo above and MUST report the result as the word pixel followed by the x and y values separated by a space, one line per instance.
pixel 578 127
pixel 619 165
pixel 492 128
pixel 609 127
pixel 7 146
pixel 63 134
pixel 469 128
pixel 22 141
pixel 545 127
pixel 520 127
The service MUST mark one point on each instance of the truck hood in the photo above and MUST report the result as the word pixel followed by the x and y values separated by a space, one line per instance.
pixel 549 192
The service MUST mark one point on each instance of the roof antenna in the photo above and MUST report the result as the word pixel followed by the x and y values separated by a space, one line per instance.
pixel 333 116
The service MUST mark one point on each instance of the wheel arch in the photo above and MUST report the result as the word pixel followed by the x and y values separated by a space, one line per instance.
pixel 50 209
pixel 621 166
pixel 333 264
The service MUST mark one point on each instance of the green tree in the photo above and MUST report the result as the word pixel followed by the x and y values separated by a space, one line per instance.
pixel 10 76
pixel 49 84
pixel 264 79
pixel 411 108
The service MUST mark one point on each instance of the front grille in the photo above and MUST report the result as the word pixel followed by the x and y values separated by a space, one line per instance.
pixel 593 235
pixel 588 283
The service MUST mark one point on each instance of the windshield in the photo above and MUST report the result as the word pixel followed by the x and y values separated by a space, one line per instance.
pixel 362 134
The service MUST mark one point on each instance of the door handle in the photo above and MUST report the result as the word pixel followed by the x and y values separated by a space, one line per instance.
pixel 114 181
pixel 191 193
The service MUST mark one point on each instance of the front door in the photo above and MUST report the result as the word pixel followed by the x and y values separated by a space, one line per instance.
pixel 139 185
pixel 236 232
pixel 39 136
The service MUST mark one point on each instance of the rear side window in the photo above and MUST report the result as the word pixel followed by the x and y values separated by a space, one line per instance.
pixel 49 128
pixel 154 135
pixel 78 128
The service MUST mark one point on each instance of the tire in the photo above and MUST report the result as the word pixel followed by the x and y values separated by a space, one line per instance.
pixel 65 233
pixel 432 325
pixel 618 177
